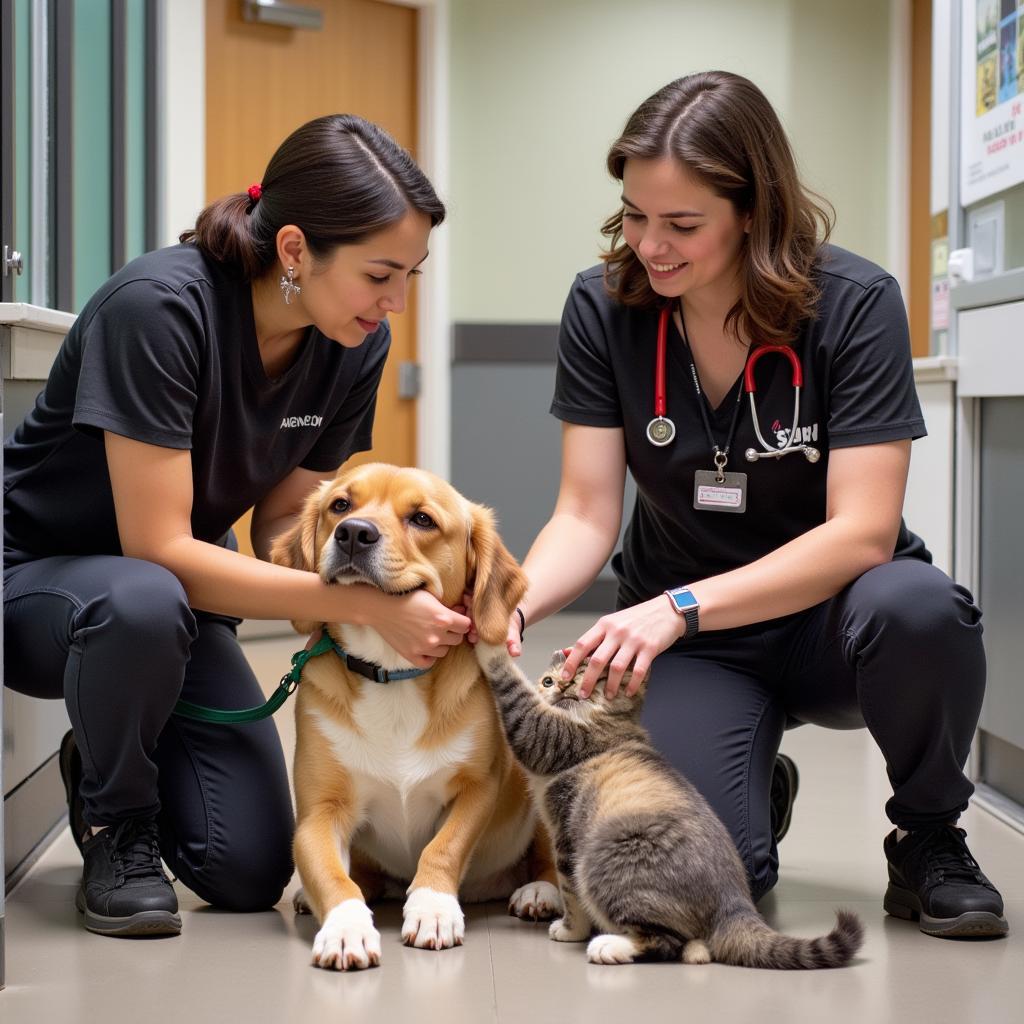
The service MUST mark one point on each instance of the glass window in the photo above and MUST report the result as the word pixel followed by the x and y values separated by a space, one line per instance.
pixel 79 78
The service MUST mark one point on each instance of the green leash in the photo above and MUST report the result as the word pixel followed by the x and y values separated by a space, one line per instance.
pixel 289 681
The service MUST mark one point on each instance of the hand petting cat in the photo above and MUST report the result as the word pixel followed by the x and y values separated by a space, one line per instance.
pixel 631 638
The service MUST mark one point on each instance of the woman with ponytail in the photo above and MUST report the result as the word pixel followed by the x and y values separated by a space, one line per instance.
pixel 235 370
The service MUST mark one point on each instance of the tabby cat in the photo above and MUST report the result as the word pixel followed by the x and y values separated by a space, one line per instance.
pixel 640 853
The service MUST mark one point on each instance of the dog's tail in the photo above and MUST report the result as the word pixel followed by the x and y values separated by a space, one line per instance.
pixel 745 940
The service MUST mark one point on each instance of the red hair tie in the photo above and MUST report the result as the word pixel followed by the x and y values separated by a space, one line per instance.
pixel 255 191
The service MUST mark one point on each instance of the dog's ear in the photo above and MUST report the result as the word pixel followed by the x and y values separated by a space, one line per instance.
pixel 494 576
pixel 296 547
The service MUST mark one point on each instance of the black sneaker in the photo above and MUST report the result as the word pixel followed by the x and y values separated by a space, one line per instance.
pixel 71 773
pixel 785 783
pixel 933 879
pixel 124 890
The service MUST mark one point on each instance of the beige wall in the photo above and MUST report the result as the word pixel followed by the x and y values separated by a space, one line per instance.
pixel 539 88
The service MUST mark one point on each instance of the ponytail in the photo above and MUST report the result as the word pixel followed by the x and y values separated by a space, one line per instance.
pixel 222 231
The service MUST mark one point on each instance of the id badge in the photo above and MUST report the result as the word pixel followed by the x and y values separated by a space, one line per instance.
pixel 726 495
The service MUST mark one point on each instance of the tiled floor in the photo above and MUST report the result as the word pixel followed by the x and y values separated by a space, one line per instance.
pixel 255 968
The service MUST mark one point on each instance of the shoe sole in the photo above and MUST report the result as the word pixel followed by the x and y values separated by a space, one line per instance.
pixel 794 785
pixel 66 752
pixel 146 923
pixel 975 924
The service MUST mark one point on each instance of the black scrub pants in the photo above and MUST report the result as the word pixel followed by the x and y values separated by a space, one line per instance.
pixel 116 639
pixel 899 651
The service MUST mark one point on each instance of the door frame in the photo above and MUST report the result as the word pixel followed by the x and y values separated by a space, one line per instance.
pixel 181 188
pixel 433 314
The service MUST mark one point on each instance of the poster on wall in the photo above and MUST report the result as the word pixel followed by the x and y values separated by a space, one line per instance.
pixel 992 98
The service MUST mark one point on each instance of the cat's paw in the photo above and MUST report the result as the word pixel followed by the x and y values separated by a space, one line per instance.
pixel 696 952
pixel 612 949
pixel 300 904
pixel 575 931
pixel 347 941
pixel 535 901
pixel 432 920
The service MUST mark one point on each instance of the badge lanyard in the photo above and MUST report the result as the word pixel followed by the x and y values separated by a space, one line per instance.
pixel 715 490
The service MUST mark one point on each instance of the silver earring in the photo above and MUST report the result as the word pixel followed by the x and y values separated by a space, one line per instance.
pixel 289 287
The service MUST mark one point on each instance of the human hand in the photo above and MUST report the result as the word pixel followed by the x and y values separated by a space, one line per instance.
pixel 466 608
pixel 418 626
pixel 514 637
pixel 515 634
pixel 633 637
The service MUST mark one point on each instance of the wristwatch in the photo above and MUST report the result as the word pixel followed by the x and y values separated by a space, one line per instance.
pixel 685 604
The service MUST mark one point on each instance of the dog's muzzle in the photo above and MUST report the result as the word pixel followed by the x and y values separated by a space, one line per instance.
pixel 355 538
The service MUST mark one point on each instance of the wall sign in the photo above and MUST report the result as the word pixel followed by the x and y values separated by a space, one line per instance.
pixel 992 98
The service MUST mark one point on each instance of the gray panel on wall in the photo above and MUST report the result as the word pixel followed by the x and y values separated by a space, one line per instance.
pixel 506 451
pixel 1001 559
pixel 506 447
pixel 19 397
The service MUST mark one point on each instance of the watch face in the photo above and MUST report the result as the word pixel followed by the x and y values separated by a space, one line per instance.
pixel 683 600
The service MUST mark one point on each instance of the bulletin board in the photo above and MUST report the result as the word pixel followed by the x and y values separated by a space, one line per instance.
pixel 992 98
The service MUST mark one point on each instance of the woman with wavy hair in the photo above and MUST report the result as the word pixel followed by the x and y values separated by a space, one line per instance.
pixel 766 578
pixel 236 370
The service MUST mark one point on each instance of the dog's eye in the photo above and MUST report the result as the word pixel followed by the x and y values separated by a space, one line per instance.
pixel 340 505
pixel 423 521
pixel 548 681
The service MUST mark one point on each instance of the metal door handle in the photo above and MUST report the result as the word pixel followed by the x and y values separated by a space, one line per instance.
pixel 13 263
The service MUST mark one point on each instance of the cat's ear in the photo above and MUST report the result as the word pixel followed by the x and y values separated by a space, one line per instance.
pixel 558 658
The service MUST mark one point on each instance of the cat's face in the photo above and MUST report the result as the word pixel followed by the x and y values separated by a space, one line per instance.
pixel 565 695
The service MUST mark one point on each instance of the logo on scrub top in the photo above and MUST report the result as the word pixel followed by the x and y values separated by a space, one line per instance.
pixel 301 421
pixel 804 435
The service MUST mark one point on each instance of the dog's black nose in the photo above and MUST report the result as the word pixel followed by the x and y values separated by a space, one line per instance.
pixel 355 535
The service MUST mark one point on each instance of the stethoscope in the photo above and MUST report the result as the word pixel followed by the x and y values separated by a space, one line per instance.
pixel 661 430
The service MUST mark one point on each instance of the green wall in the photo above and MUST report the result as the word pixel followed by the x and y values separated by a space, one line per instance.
pixel 539 88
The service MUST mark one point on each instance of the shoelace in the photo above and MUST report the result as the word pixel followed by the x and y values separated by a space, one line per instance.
pixel 946 856
pixel 136 848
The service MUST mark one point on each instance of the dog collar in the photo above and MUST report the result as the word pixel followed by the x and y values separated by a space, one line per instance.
pixel 374 672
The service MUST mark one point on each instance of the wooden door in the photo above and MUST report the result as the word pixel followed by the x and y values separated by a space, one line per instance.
pixel 263 81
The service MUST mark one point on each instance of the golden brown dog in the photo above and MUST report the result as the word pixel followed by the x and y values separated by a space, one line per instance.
pixel 408 780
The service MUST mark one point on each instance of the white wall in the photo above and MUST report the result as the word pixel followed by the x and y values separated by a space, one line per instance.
pixel 182 75
pixel 540 88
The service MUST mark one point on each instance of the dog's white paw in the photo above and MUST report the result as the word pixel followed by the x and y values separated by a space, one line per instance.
pixel 611 949
pixel 433 920
pixel 559 931
pixel 347 941
pixel 299 903
pixel 535 901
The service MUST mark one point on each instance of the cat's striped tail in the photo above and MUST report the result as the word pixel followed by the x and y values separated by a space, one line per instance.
pixel 745 940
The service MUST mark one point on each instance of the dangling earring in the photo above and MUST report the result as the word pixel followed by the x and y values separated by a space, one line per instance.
pixel 289 287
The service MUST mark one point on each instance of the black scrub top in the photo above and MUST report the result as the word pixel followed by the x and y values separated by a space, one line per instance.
pixel 858 389
pixel 166 353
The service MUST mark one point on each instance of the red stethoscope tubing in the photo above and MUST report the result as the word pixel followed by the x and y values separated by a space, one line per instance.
pixel 660 397
pixel 660 391
pixel 749 386
pixel 763 350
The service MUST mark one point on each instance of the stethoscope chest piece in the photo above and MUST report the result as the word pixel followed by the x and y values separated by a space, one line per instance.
pixel 660 431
